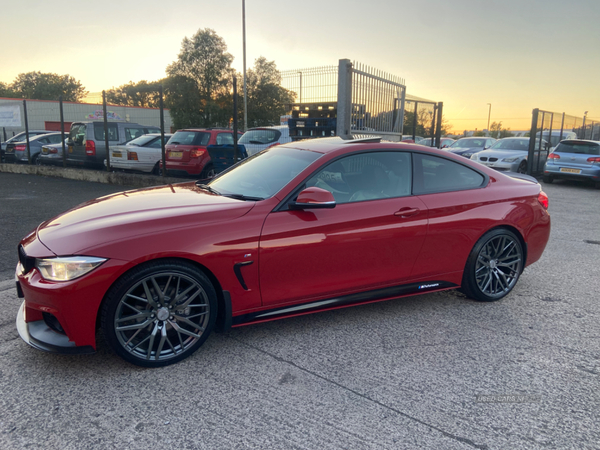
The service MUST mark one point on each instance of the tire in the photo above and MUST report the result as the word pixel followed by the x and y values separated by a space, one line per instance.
pixel 34 160
pixel 547 179
pixel 170 327
pixel 522 167
pixel 494 266
pixel 156 170
pixel 208 172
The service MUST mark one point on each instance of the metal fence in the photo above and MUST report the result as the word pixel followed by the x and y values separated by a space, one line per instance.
pixel 365 101
pixel 549 128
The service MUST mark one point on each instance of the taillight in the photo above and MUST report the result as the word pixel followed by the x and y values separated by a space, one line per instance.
pixel 594 160
pixel 553 156
pixel 90 148
pixel 196 152
pixel 20 148
pixel 132 156
pixel 543 199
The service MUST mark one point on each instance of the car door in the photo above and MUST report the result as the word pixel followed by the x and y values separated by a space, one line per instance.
pixel 369 241
pixel 455 197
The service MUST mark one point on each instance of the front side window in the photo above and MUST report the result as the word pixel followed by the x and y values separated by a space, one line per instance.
pixel 77 133
pixel 133 133
pixel 434 174
pixel 366 176
pixel 224 139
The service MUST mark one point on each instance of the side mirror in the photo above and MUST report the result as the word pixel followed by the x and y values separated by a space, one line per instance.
pixel 314 198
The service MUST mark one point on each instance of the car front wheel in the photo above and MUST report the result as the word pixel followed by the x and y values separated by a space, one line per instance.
pixel 159 313
pixel 494 266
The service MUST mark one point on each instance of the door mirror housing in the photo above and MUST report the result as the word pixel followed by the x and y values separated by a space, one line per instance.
pixel 314 198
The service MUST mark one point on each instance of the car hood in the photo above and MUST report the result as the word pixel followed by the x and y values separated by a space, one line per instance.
pixel 502 154
pixel 120 216
pixel 464 149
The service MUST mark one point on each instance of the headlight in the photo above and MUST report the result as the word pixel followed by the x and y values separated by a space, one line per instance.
pixel 511 159
pixel 66 269
pixel 467 155
pixel 474 157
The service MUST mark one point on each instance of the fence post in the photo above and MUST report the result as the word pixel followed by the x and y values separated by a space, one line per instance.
pixel 26 132
pixel 235 124
pixel 62 132
pixel 344 97
pixel 105 130
pixel 161 104
pixel 401 118
pixel 438 126
pixel 534 120
pixel 415 118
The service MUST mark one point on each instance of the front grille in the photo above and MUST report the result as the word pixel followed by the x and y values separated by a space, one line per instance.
pixel 493 159
pixel 483 158
pixel 26 262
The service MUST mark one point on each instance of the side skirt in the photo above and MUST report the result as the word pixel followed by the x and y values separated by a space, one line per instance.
pixel 343 301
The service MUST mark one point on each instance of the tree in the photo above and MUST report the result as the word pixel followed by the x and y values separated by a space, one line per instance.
pixel 202 65
pixel 7 91
pixel 142 94
pixel 496 131
pixel 48 86
pixel 424 121
pixel 266 97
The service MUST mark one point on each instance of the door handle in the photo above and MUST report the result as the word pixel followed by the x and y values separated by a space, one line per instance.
pixel 407 212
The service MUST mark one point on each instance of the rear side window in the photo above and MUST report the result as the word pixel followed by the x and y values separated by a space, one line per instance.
pixel 266 136
pixel 433 174
pixel 190 138
pixel 585 148
pixel 113 132
pixel 54 139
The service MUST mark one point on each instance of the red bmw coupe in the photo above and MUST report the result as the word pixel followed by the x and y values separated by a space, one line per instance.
pixel 299 228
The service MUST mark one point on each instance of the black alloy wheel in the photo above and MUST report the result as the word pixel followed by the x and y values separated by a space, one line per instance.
pixel 494 266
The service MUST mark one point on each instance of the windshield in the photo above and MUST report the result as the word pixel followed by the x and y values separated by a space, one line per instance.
pixel 264 174
pixel 142 140
pixel 511 144
pixel 468 143
pixel 585 148
pixel 265 136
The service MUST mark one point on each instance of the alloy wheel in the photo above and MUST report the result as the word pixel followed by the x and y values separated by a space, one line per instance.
pixel 498 266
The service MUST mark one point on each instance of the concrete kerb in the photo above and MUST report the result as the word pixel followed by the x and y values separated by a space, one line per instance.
pixel 97 176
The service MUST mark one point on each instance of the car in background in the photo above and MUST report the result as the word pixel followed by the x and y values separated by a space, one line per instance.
pixel 87 144
pixel 408 139
pixel 574 160
pixel 17 138
pixel 187 153
pixel 298 228
pixel 444 142
pixel 51 154
pixel 554 137
pixel 16 152
pixel 143 154
pixel 510 154
pixel 257 139
pixel 468 146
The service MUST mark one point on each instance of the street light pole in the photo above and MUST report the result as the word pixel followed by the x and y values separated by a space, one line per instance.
pixel 489 114
pixel 245 87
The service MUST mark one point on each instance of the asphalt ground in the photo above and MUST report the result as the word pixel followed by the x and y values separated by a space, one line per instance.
pixel 435 371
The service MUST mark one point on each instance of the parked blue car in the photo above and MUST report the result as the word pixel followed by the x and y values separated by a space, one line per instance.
pixel 574 159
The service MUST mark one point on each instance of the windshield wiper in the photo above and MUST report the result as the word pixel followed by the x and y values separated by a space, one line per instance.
pixel 206 187
pixel 243 197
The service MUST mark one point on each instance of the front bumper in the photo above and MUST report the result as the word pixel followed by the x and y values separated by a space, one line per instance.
pixel 42 337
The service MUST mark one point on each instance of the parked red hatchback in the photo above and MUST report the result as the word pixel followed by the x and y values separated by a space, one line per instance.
pixel 186 152
pixel 298 228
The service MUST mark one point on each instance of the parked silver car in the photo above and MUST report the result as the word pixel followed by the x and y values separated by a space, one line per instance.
pixel 510 154
pixel 257 139
pixel 17 151
pixel 143 154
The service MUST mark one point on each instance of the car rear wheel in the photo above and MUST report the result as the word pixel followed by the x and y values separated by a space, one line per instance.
pixel 156 169
pixel 208 172
pixel 159 313
pixel 494 266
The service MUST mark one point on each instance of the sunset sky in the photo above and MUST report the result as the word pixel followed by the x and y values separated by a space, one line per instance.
pixel 515 54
